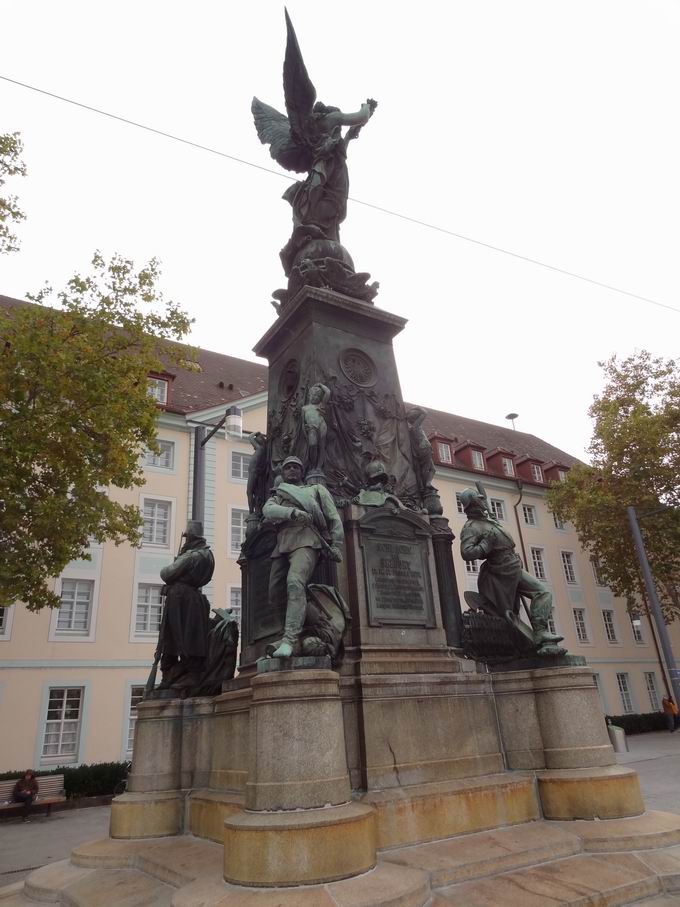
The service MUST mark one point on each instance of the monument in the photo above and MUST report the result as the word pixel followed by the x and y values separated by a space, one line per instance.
pixel 356 743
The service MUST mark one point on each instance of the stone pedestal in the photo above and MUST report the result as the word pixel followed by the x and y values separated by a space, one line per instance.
pixel 300 826
pixel 551 721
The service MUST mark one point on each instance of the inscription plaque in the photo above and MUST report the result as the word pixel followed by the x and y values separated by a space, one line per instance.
pixel 398 582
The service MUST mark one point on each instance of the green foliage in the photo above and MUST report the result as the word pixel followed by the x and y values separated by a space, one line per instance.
pixel 639 724
pixel 10 165
pixel 635 460
pixel 75 416
pixel 95 780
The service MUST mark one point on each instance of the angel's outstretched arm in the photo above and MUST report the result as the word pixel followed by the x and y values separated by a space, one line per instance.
pixel 360 118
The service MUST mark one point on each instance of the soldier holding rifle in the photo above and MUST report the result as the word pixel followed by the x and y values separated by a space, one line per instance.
pixel 308 525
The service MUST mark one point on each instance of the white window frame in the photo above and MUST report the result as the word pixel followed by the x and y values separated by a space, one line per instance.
pixel 444 452
pixel 157 467
pixel 154 546
pixel 79 581
pixel 231 476
pixel 597 680
pixel 571 563
pixel 158 389
pixel 507 467
pixel 130 719
pixel 233 587
pixel 472 567
pixel 146 635
pixel 561 475
pixel 611 627
pixel 477 459
pixel 532 509
pixel 560 524
pixel 62 758
pixel 541 560
pixel 623 684
pixel 584 620
pixel 6 629
pixel 536 472
pixel 498 504
pixel 235 552
pixel 638 634
pixel 598 579
pixel 653 691
pixel 459 503
pixel 64 636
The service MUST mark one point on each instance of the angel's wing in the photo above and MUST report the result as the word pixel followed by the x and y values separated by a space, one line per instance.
pixel 298 89
pixel 273 129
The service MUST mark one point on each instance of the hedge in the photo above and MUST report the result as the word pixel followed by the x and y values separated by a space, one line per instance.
pixel 95 780
pixel 639 724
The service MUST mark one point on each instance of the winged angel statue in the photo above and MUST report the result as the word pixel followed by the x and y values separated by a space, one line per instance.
pixel 310 140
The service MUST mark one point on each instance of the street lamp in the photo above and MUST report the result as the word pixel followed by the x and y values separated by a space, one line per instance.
pixel 512 417
pixel 654 604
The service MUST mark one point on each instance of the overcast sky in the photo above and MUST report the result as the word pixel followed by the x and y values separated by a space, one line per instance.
pixel 547 128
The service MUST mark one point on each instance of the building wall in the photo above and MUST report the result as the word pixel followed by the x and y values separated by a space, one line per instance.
pixel 113 658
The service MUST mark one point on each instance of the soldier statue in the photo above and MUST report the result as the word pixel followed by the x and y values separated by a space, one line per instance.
pixel 502 580
pixel 183 637
pixel 308 526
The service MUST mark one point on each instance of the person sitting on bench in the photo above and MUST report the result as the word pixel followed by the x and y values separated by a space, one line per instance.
pixel 25 791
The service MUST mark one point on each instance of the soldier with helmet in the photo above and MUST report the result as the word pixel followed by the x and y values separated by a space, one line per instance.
pixel 308 525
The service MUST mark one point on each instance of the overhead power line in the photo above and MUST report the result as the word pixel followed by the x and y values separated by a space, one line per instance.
pixel 358 201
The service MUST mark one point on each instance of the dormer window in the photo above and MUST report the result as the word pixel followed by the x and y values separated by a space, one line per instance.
pixel 508 466
pixel 561 475
pixel 536 472
pixel 477 459
pixel 158 389
pixel 444 452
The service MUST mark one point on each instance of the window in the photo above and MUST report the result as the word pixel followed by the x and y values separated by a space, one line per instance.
pixel 580 624
pixel 239 464
pixel 559 524
pixel 536 472
pixel 597 572
pixel 538 563
pixel 609 625
pixel 652 691
pixel 529 512
pixel 156 522
pixel 561 475
pixel 165 459
pixel 149 608
pixel 459 503
pixel 477 459
pixel 444 451
pixel 497 508
pixel 568 567
pixel 235 602
pixel 636 627
pixel 600 691
pixel 75 611
pixel 136 696
pixel 4 621
pixel 158 389
pixel 624 689
pixel 507 466
pixel 62 725
pixel 552 626
pixel 238 531
pixel 472 566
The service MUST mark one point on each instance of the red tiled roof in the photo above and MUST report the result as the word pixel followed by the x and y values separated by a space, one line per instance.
pixel 225 379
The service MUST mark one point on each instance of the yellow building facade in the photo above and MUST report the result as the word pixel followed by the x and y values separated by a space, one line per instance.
pixel 70 678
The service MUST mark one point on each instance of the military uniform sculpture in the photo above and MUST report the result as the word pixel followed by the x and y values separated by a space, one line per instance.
pixel 502 580
pixel 308 526
pixel 183 637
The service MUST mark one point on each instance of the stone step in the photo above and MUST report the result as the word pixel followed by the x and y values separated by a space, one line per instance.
pixel 108 887
pixel 486 853
pixel 47 883
pixel 666 864
pixel 661 900
pixel 13 896
pixel 650 830
pixel 586 880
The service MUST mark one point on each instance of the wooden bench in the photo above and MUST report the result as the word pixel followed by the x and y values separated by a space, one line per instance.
pixel 50 791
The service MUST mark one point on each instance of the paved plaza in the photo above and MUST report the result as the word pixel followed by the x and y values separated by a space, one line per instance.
pixel 24 847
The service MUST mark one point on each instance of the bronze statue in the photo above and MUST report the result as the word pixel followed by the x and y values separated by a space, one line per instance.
pixel 502 581
pixel 315 427
pixel 183 636
pixel 257 473
pixel 308 525
pixel 309 139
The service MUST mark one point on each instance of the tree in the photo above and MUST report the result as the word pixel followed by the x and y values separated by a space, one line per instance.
pixel 635 460
pixel 75 415
pixel 10 165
